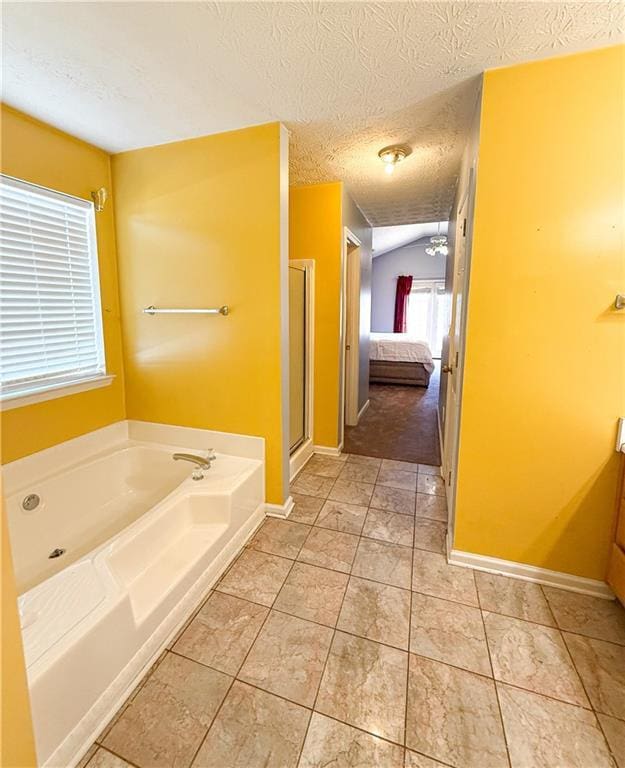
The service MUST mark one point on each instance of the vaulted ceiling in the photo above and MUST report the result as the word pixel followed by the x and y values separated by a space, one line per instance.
pixel 347 78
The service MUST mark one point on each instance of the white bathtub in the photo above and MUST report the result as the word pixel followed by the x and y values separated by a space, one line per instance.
pixel 143 542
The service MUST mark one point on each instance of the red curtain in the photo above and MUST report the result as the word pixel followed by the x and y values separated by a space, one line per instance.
pixel 404 285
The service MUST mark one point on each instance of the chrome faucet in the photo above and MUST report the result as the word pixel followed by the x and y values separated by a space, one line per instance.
pixel 201 462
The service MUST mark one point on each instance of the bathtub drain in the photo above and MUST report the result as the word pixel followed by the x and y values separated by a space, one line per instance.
pixel 56 553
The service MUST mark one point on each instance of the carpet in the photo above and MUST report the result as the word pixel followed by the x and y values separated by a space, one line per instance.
pixel 400 423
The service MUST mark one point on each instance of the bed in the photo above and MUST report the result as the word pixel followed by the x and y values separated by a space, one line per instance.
pixel 398 358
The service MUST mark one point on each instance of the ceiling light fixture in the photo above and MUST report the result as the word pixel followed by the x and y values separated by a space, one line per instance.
pixel 439 244
pixel 392 155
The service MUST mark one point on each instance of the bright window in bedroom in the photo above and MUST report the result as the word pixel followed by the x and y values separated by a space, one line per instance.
pixel 427 313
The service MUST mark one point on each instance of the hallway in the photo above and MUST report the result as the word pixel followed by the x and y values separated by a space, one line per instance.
pixel 341 636
pixel 400 423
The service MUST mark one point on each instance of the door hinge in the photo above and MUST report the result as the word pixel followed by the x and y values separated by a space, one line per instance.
pixel 449 478
pixel 456 366
pixel 464 228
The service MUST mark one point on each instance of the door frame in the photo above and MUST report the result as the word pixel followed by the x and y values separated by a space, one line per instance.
pixel 301 455
pixel 349 239
pixel 450 469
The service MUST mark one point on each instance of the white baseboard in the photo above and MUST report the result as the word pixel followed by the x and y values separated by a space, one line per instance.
pixel 300 457
pixel 532 573
pixel 362 410
pixel 280 510
pixel 329 451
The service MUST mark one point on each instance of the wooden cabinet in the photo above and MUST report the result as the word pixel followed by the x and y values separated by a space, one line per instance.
pixel 616 567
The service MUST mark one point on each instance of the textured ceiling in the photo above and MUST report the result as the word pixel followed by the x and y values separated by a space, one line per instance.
pixel 387 239
pixel 346 78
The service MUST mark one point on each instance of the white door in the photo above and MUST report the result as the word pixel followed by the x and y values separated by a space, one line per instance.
pixel 452 371
pixel 297 357
pixel 352 334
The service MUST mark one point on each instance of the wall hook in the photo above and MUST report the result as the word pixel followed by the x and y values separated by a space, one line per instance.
pixel 99 197
pixel 619 302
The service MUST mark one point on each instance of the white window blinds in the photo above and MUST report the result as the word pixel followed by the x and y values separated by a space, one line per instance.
pixel 50 314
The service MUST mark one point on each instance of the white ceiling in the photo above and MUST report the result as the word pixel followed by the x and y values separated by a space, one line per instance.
pixel 346 77
pixel 386 239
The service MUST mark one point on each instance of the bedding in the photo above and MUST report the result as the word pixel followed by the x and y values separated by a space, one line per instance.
pixel 400 347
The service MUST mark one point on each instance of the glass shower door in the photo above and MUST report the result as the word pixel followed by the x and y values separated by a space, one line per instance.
pixel 297 357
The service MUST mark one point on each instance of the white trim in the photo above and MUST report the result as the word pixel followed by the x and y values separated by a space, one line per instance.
pixel 284 305
pixel 362 410
pixel 531 573
pixel 326 450
pixel 280 510
pixel 300 457
pixel 348 235
pixel 52 391
pixel 77 743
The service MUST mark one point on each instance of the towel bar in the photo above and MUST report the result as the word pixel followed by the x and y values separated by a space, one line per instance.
pixel 215 311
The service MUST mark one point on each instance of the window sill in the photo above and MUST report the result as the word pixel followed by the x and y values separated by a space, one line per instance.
pixel 52 393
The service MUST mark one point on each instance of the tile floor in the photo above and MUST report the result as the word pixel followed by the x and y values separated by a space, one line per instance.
pixel 341 637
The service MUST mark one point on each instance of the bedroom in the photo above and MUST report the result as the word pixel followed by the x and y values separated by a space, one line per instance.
pixel 410 314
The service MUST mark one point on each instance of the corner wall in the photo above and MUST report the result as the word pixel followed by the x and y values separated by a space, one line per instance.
pixel 201 223
pixel 544 377
pixel 315 232
pixel 38 153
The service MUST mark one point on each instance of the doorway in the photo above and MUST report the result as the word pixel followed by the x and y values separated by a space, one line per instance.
pixel 350 332
pixel 301 363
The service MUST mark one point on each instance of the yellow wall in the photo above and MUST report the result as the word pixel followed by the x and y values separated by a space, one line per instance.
pixel 198 225
pixel 315 223
pixel 544 379
pixel 17 746
pixel 40 154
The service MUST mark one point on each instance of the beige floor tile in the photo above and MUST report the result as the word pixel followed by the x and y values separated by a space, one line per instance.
pixel 430 535
pixel 534 657
pixel 351 492
pixel 313 593
pixel 543 732
pixel 306 508
pixel 362 473
pixel 167 720
pixel 432 575
pixel 280 537
pixel 453 716
pixel 312 485
pixel 105 759
pixel 432 507
pixel 601 666
pixel 380 561
pixel 330 743
pixel 370 460
pixel 429 469
pixel 614 731
pixel 339 516
pixel 329 549
pixel 405 466
pixel 415 760
pixel 432 484
pixel 326 466
pixel 84 760
pixel 449 632
pixel 513 597
pixel 393 500
pixel 389 526
pixel 398 478
pixel 586 615
pixel 376 611
pixel 256 576
pixel 288 658
pixel 364 684
pixel 222 632
pixel 254 729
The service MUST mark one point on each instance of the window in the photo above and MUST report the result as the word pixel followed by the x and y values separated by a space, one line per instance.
pixel 50 314
pixel 428 318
